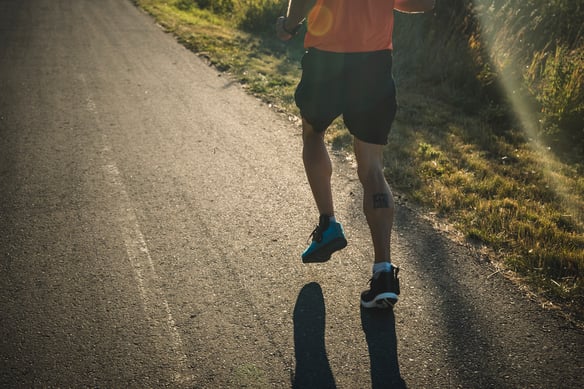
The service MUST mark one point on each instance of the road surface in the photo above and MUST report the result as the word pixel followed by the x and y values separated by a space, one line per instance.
pixel 151 224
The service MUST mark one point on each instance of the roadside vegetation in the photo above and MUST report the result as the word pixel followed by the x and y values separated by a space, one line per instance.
pixel 490 133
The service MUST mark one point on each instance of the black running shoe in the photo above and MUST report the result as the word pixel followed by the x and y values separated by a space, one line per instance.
pixel 384 290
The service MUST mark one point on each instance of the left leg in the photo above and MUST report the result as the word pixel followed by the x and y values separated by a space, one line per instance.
pixel 378 203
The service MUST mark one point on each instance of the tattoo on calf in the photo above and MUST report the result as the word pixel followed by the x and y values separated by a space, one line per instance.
pixel 381 200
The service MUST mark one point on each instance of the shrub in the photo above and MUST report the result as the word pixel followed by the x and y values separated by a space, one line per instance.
pixel 219 7
pixel 557 81
pixel 259 16
pixel 475 48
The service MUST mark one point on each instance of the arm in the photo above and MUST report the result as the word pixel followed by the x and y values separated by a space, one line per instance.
pixel 412 6
pixel 286 26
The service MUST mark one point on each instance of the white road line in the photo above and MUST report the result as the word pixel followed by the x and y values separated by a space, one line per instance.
pixel 155 304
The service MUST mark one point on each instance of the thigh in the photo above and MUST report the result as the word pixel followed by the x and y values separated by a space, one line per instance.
pixel 370 101
pixel 319 93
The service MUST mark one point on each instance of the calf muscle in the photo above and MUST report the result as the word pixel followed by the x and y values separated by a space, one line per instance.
pixel 380 200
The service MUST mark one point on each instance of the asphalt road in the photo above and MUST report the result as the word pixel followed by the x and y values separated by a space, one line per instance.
pixel 152 217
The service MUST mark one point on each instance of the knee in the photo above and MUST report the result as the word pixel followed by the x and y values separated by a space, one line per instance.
pixel 371 175
pixel 307 130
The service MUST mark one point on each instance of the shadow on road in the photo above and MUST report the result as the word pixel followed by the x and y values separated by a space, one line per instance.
pixel 469 339
pixel 312 366
pixel 379 328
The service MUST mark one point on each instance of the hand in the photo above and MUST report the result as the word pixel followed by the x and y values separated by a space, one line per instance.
pixel 281 32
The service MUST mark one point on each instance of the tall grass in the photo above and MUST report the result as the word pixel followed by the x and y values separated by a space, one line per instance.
pixel 476 48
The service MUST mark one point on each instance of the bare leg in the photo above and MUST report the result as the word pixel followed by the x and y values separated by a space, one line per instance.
pixel 318 167
pixel 378 203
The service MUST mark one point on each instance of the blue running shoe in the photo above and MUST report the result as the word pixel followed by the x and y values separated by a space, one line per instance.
pixel 384 290
pixel 327 238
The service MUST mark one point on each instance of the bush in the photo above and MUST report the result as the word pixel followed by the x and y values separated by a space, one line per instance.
pixel 540 47
pixel 557 81
pixel 260 16
pixel 533 49
pixel 219 7
pixel 184 5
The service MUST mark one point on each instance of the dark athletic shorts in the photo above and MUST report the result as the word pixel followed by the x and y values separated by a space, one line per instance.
pixel 358 86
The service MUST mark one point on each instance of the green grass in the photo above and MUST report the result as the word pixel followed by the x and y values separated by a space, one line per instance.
pixel 472 168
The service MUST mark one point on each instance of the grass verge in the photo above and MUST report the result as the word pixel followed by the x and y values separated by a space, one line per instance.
pixel 503 191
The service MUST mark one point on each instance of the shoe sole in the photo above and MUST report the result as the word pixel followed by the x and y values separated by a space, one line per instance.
pixel 382 301
pixel 325 253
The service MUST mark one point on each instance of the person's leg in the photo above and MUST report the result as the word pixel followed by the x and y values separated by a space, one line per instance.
pixel 318 96
pixel 370 109
pixel 318 167
pixel 378 206
pixel 378 203
pixel 328 236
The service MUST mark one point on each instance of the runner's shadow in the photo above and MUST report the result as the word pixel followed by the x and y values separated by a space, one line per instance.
pixel 379 328
pixel 312 366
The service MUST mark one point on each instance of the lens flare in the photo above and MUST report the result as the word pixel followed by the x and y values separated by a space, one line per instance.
pixel 320 20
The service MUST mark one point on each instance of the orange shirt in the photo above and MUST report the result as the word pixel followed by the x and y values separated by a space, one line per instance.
pixel 349 26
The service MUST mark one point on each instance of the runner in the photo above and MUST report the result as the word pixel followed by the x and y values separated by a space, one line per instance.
pixel 346 70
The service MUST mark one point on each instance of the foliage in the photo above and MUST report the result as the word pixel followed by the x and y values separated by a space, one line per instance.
pixel 255 16
pixel 219 7
pixel 556 79
pixel 259 15
pixel 487 52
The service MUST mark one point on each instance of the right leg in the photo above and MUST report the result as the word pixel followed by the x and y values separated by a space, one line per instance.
pixel 318 167
pixel 328 236
pixel 317 96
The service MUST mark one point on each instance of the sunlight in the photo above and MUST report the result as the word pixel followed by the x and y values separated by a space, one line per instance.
pixel 507 66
